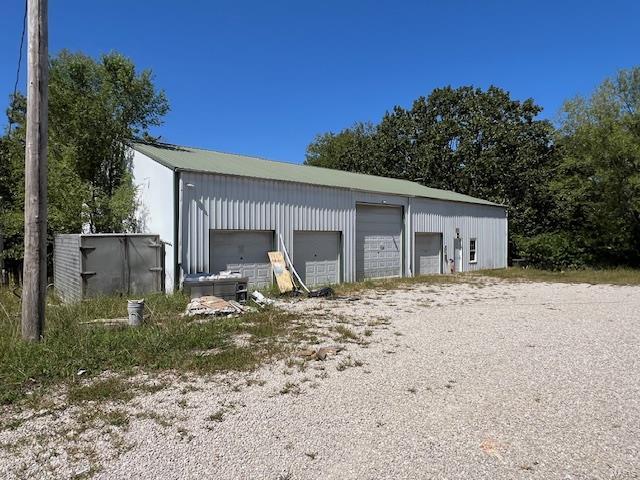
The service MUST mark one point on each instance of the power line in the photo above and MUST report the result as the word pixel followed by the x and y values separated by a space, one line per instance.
pixel 15 86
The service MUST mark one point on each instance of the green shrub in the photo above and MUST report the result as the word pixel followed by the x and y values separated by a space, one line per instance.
pixel 552 251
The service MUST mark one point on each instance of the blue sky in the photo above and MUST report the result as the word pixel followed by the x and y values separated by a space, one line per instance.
pixel 264 77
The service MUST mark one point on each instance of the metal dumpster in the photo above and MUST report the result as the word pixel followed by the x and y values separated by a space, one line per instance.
pixel 89 265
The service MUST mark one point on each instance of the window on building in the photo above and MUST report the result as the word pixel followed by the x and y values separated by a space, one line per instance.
pixel 473 255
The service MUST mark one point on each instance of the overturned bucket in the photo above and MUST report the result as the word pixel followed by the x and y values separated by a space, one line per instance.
pixel 136 312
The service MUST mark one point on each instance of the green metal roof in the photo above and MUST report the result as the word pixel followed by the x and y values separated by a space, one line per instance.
pixel 198 160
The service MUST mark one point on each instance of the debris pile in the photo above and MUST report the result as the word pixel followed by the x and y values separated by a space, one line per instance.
pixel 261 300
pixel 320 353
pixel 323 292
pixel 210 305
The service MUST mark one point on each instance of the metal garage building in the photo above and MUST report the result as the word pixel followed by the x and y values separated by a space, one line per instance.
pixel 220 211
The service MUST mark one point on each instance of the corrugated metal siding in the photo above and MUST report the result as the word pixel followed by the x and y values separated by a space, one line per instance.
pixel 485 223
pixel 209 201
pixel 66 267
pixel 236 203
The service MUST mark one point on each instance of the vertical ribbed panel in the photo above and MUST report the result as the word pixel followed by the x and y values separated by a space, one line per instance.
pixel 67 260
pixel 484 222
pixel 237 203
pixel 241 203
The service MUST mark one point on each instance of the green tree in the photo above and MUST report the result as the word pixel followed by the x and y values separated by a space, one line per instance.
pixel 101 105
pixel 597 184
pixel 352 149
pixel 482 143
pixel 95 108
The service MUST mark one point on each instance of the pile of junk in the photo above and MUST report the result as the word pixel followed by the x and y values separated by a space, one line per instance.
pixel 226 293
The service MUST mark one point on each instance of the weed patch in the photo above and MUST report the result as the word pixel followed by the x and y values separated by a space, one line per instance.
pixel 348 362
pixel 110 389
pixel 346 333
pixel 217 416
pixel 290 388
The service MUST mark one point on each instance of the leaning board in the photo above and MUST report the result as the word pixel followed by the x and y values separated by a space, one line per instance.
pixel 283 277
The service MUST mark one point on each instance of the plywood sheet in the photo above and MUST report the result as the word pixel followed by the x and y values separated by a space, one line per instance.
pixel 283 277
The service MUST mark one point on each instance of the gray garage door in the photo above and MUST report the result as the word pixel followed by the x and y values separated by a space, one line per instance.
pixel 428 258
pixel 243 251
pixel 316 257
pixel 378 242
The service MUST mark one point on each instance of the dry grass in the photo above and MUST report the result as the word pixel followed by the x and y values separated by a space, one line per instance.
pixel 613 276
pixel 400 282
pixel 346 334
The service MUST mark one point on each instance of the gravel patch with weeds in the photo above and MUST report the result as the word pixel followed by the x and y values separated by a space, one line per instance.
pixel 490 379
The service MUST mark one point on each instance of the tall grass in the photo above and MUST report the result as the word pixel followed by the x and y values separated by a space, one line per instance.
pixel 164 342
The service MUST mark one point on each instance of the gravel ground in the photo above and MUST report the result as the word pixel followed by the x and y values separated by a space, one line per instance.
pixel 491 379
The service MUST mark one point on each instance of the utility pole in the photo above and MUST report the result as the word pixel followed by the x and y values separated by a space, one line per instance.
pixel 34 279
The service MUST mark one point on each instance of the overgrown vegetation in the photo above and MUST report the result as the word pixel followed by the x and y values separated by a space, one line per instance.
pixel 72 351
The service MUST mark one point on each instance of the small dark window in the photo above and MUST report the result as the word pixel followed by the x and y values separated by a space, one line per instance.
pixel 473 255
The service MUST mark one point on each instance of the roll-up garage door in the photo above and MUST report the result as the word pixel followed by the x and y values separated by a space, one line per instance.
pixel 378 242
pixel 316 257
pixel 243 251
pixel 428 249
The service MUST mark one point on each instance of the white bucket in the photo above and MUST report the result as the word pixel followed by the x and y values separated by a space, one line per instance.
pixel 136 312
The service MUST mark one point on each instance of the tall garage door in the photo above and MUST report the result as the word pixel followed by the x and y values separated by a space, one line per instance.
pixel 316 257
pixel 428 253
pixel 243 251
pixel 378 242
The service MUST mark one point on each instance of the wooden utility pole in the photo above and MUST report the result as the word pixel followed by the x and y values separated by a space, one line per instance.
pixel 34 279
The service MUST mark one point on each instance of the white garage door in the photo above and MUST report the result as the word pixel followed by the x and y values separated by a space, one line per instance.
pixel 428 257
pixel 316 257
pixel 243 251
pixel 378 242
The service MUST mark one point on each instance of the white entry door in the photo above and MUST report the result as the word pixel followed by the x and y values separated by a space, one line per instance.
pixel 457 246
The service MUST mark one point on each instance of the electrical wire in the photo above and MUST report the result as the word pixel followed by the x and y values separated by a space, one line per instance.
pixel 15 86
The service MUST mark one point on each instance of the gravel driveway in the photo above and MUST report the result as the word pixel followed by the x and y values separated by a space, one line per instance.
pixel 491 379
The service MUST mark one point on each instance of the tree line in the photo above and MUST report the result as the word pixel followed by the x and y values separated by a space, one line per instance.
pixel 572 189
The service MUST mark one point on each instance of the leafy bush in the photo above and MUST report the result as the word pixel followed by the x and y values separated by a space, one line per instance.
pixel 553 251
